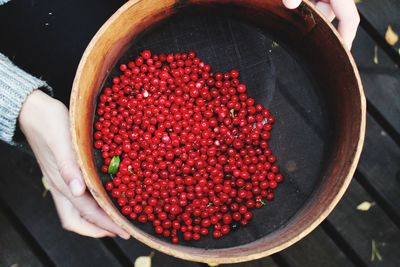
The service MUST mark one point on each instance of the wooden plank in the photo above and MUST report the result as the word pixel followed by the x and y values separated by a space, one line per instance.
pixel 264 262
pixel 381 81
pixel 381 151
pixel 359 228
pixel 316 249
pixel 380 14
pixel 134 249
pixel 21 188
pixel 14 250
pixel 379 165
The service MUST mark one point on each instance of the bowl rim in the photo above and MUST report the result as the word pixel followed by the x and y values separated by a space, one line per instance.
pixel 218 255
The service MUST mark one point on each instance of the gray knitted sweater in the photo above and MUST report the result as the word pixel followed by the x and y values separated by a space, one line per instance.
pixel 15 86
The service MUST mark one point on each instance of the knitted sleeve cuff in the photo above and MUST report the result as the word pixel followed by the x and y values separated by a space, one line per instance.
pixel 15 86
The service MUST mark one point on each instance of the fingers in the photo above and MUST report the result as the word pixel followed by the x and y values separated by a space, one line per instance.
pixel 65 156
pixel 347 14
pixel 72 221
pixel 82 215
pixel 71 174
pixel 291 4
pixel 326 10
pixel 46 126
pixel 90 211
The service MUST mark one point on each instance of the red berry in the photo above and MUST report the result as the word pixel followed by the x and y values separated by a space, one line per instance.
pixel 146 54
pixel 217 234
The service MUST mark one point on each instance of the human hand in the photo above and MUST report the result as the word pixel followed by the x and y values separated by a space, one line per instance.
pixel 345 11
pixel 45 124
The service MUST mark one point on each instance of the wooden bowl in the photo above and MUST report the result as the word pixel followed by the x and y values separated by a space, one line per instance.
pixel 309 80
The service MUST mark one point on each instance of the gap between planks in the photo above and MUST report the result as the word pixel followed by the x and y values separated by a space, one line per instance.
pixel 26 235
pixel 383 122
pixel 116 251
pixel 347 249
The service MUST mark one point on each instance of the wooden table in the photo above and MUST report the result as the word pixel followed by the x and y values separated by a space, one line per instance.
pixel 47 38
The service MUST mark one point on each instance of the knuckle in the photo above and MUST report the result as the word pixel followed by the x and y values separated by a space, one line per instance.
pixel 65 170
pixel 88 216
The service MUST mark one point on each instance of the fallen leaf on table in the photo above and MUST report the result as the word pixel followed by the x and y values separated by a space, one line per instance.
pixel 274 44
pixel 46 187
pixel 365 206
pixel 374 251
pixel 390 36
pixel 376 60
pixel 144 261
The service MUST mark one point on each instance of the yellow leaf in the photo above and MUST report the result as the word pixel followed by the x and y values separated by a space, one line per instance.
pixel 376 60
pixel 390 36
pixel 45 184
pixel 143 261
pixel 365 206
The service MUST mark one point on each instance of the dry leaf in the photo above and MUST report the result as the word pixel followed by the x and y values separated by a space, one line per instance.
pixel 45 184
pixel 143 261
pixel 232 111
pixel 390 36
pixel 374 251
pixel 365 206
pixel 46 187
pixel 376 60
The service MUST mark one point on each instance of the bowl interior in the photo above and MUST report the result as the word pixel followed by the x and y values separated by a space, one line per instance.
pixel 292 61
pixel 279 78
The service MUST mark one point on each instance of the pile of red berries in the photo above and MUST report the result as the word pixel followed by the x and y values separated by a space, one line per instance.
pixel 188 147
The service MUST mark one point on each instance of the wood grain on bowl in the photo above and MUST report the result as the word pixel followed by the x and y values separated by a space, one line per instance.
pixel 309 33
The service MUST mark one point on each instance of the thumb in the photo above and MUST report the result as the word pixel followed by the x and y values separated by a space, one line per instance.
pixel 291 4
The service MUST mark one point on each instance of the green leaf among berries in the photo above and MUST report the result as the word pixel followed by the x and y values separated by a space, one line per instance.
pixel 114 165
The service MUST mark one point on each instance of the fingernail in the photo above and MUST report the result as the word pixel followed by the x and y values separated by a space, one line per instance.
pixel 76 187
